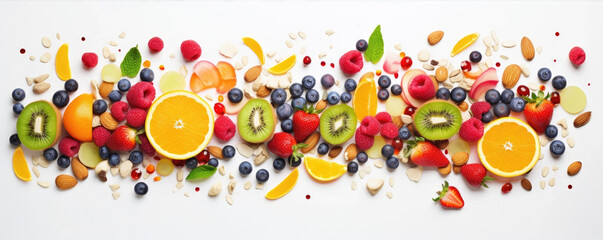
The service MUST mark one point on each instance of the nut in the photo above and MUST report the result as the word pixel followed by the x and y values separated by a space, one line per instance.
pixel 574 168
pixel 456 169
pixel 108 121
pixel 463 106
pixel 527 49
pixel 40 88
pixel 374 185
pixel 511 76
pixel 460 158
pixel 445 170
pixel 311 141
pixel 441 144
pixel 65 182
pixel 253 73
pixel 350 152
pixel 441 74
pixel 215 151
pixel 435 37
pixel 79 170
pixel 320 105
pixel 263 91
pixel 582 119
pixel 397 120
pixel 102 166
pixel 215 189
pixel 335 151
pixel 125 168
pixel 105 88
pixel 526 184
pixel 41 78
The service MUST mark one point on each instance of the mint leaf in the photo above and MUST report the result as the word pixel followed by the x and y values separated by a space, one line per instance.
pixel 203 171
pixel 131 63
pixel 374 51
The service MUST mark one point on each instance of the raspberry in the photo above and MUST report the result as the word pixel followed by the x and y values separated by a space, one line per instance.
pixel 577 56
pixel 389 130
pixel 190 50
pixel 224 128
pixel 421 87
pixel 141 95
pixel 472 130
pixel 136 117
pixel 383 117
pixel 369 126
pixel 479 108
pixel 100 135
pixel 363 141
pixel 155 44
pixel 69 146
pixel 145 146
pixel 89 59
pixel 119 110
pixel 351 62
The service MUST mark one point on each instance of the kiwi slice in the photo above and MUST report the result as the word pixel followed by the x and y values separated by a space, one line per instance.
pixel 256 121
pixel 338 124
pixel 437 120
pixel 39 125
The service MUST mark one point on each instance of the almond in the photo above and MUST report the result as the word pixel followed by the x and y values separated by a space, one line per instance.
pixel 526 184
pixel 79 170
pixel 350 152
pixel 335 151
pixel 105 88
pixel 263 91
pixel 445 170
pixel 108 121
pixel 463 106
pixel 320 105
pixel 441 144
pixel 65 182
pixel 527 49
pixel 574 168
pixel 441 74
pixel 435 37
pixel 215 151
pixel 511 76
pixel 582 119
pixel 397 120
pixel 311 141
pixel 460 158
pixel 253 73
pixel 456 169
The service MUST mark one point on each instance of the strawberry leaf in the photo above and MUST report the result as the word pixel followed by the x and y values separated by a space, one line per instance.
pixel 441 193
pixel 486 178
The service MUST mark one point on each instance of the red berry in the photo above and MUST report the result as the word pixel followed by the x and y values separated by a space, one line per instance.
pixel 406 63
pixel 506 188
pixel 542 88
pixel 397 143
pixel 307 60
pixel 219 108
pixel 555 98
pixel 523 91
pixel 179 163
pixel 466 66
pixel 203 157
pixel 409 111
pixel 135 174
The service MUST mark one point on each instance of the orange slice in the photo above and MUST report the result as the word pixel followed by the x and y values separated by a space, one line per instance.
pixel 205 75
pixel 77 118
pixel 509 147
pixel 284 187
pixel 284 66
pixel 464 43
pixel 20 166
pixel 365 98
pixel 228 77
pixel 322 170
pixel 179 124
pixel 61 63
pixel 255 47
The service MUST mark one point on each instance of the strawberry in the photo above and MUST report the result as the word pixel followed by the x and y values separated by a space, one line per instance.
pixel 123 138
pixel 284 145
pixel 450 197
pixel 305 122
pixel 475 174
pixel 538 111
pixel 425 153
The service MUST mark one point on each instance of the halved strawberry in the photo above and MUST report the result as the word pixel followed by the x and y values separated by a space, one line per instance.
pixel 450 197
pixel 425 153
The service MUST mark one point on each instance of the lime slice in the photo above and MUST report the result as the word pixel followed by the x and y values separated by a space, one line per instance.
pixel 375 151
pixel 111 73
pixel 88 154
pixel 573 99
pixel 171 81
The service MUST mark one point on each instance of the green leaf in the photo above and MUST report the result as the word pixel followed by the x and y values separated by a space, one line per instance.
pixel 130 66
pixel 374 51
pixel 203 171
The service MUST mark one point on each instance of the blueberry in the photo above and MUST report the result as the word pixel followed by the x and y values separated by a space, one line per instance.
pixel 517 104
pixel 501 110
pixel 228 151
pixel 362 157
pixel 544 74
pixel 114 96
pixel 235 95
pixel 392 162
pixel 296 90
pixel 507 95
pixel 298 103
pixel 345 97
pixel 141 188
pixel 333 98
pixel 135 157
pixel 492 96
pixel 245 168
pixel 327 81
pixel 114 159
pixel 147 75
pixel 557 147
pixel 71 85
pixel 559 82
pixel 278 96
pixel 294 162
pixel 551 131
pixel 350 85
pixel 287 125
pixel 279 164
pixel 322 149
pixel 18 108
pixel 262 175
pixel 312 96
pixel 361 45
pixel 60 98
pixel 458 94
pixel 50 154
pixel 308 82
pixel 63 161
pixel 123 85
pixel 284 111
pixel 387 150
pixel 352 167
pixel 14 140
pixel 103 152
pixel 396 89
pixel 475 57
pixel 443 93
pixel 404 133
pixel 99 107
pixel 191 163
pixel 487 117
pixel 383 94
pixel 18 94
pixel 384 81
pixel 213 162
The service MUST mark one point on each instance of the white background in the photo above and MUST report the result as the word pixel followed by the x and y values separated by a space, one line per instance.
pixel 334 210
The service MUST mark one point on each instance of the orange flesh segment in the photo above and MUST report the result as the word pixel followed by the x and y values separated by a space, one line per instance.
pixel 500 139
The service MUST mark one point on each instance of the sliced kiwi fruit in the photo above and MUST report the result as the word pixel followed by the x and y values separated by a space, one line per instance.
pixel 39 125
pixel 338 124
pixel 256 121
pixel 437 120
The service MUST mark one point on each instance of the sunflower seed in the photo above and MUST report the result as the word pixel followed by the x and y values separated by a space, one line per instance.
pixel 122 35
pixel 187 195
pixel 322 55
pixel 179 185
pixel 428 67
pixel 494 37
pixel 392 182
pixel 244 60
pixel 533 86
pixel 488 51
pixel 229 199
pixel 58 36
pixel 215 189
pixel 35 170
pixel 329 32
pixel 102 166
pixel 524 70
pixel 487 41
pixel 543 140
pixel 539 49
pixel 125 168
pixel 564 132
pixel 541 156
pixel 389 195
pixel 244 149
pixel 42 162
pixel 231 186
pixel 424 55
pixel 508 44
pixel 145 175
pixel 228 50
pixel 114 171
pixel 172 55
pixel 270 54
pixel 247 185
pixel 414 174
pixel 180 175
pixel 184 71
pixel 545 171
pixel 563 123
pixel 570 142
pixel 552 182
pixel 259 186
pixel 504 57
pixel 238 66
pixel 221 170
pixel 44 184
pixel 46 42
pixel 45 57
pixel 379 163
pixel 542 184
pixel 106 52
pixel 112 57
pixel 302 35
pixel 398 47
pixel 113 43
pixel 555 168
pixel 115 195
pixel 354 185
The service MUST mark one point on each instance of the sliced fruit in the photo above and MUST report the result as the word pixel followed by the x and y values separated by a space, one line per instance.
pixel 165 167
pixel 179 124
pixel 395 106
pixel 509 147
pixel 77 117
pixel 39 125
pixel 458 145
pixel 284 187
pixel 464 43
pixel 228 77
pixel 205 75
pixel 438 120
pixel 284 66
pixel 20 166
pixel 256 121
pixel 405 83
pixel 485 81
pixel 375 151
pixel 472 75
pixel 255 47
pixel 391 64
pixel 322 170
pixel 111 73
pixel 573 99
pixel 62 63
pixel 88 154
pixel 365 98
pixel 234 108
pixel 171 81
pixel 338 124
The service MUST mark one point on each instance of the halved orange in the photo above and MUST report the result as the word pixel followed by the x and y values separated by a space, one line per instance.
pixel 365 98
pixel 77 118
pixel 179 124
pixel 509 147
pixel 323 170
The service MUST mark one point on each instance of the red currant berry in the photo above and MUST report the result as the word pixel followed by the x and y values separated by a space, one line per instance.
pixel 466 66
pixel 219 108
pixel 179 163
pixel 555 98
pixel 506 188
pixel 409 111
pixel 397 143
pixel 523 91
pixel 136 173
pixel 406 63
pixel 203 157
pixel 307 60
pixel 542 88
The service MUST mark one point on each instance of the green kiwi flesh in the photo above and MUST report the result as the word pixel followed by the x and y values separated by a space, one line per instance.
pixel 438 120
pixel 39 125
pixel 256 121
pixel 338 124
